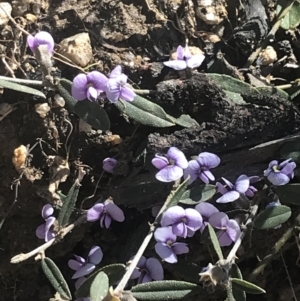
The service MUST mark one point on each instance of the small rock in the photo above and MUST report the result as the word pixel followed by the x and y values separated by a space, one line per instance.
pixel 19 158
pixel 42 109
pixel 4 17
pixel 77 48
pixel 58 101
pixel 267 56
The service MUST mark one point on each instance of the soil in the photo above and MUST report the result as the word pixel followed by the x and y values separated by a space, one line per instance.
pixel 139 35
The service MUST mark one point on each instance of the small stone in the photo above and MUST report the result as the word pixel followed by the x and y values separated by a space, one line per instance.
pixel 58 101
pixel 77 48
pixel 84 127
pixel 31 18
pixel 267 56
pixel 5 13
pixel 19 158
pixel 42 109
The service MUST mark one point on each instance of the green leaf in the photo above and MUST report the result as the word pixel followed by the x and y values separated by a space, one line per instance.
pixel 215 241
pixel 267 90
pixel 20 88
pixel 292 18
pixel 55 277
pixel 99 287
pixel 165 290
pixel 272 217
pixel 239 295
pixel 289 194
pixel 68 204
pixel 198 194
pixel 185 121
pixel 291 150
pixel 89 111
pixel 246 286
pixel 145 112
pixel 114 273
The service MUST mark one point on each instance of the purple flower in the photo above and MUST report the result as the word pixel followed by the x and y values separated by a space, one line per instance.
pixel 232 192
pixel 230 229
pixel 78 283
pixel 200 168
pixel 148 270
pixel 109 164
pixel 206 210
pixel 251 190
pixel 171 166
pixel 184 222
pixel 185 59
pixel 167 247
pixel 41 38
pixel 88 85
pixel 116 86
pixel 84 267
pixel 105 212
pixel 45 231
pixel 280 174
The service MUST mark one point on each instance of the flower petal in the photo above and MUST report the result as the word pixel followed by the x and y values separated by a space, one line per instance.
pixel 41 38
pixel 92 94
pixel 206 210
pixel 288 168
pixel 127 94
pixel 180 52
pixel 193 218
pixel 84 270
pixel 116 72
pixel 113 90
pixel 135 274
pixel 144 278
pixel 228 183
pixel 79 282
pixel 192 170
pixel 180 248
pixel 155 269
pixel 178 156
pixel 176 64
pixel 219 220
pixel 107 221
pixel 79 87
pixel 209 160
pixel 109 164
pixel 224 239
pixel 278 178
pixel 242 184
pixel 233 230
pixel 47 211
pixel 172 215
pixel 206 175
pixel 165 252
pixel 221 188
pixel 98 80
pixel 228 197
pixel 180 229
pixel 169 174
pixel 40 231
pixel 74 264
pixel 195 61
pixel 114 211
pixel 95 212
pixel 164 235
pixel 49 234
pixel 160 162
pixel 95 255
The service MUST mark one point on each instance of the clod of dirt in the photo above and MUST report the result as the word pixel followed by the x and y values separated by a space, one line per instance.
pixel 5 13
pixel 77 48
pixel 42 109
pixel 19 158
pixel 211 12
pixel 267 56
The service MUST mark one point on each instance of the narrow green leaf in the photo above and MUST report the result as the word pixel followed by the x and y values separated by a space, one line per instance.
pixel 114 273
pixel 165 290
pixel 289 194
pixel 20 88
pixel 215 241
pixel 271 90
pixel 68 204
pixel 238 294
pixel 198 194
pixel 99 287
pixel 89 111
pixel 246 286
pixel 145 112
pixel 272 217
pixel 55 277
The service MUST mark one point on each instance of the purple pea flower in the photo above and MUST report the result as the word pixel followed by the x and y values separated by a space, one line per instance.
pixel 185 59
pixel 167 247
pixel 109 164
pixel 45 231
pixel 105 212
pixel 116 86
pixel 280 174
pixel 251 190
pixel 41 38
pixel 206 210
pixel 84 267
pixel 232 192
pixel 148 270
pixel 171 166
pixel 230 229
pixel 184 222
pixel 78 283
pixel 200 168
pixel 88 85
